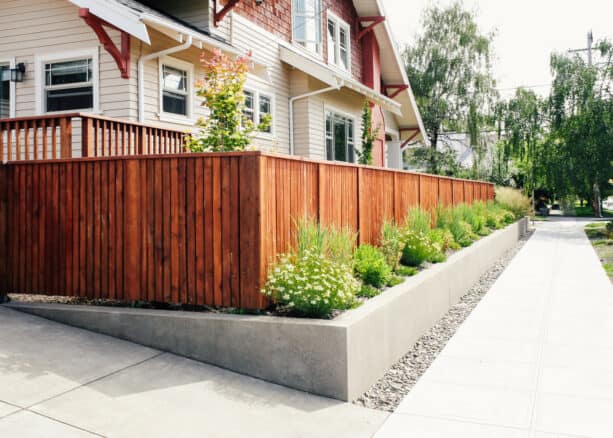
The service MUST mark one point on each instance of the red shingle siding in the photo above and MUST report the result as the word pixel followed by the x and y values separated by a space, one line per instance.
pixel 276 17
pixel 273 15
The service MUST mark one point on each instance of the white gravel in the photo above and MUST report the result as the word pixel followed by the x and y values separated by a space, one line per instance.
pixel 387 393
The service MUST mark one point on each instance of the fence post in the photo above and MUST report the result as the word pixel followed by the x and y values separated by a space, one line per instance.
pixel 66 137
pixel 140 140
pixel 87 137
pixel 3 234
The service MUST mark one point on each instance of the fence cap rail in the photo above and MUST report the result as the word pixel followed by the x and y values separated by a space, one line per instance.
pixel 57 116
pixel 367 167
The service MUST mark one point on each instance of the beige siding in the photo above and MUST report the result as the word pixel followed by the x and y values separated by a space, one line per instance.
pixel 45 27
pixel 264 48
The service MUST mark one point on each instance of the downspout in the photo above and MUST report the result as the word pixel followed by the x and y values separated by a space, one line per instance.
pixel 141 72
pixel 338 86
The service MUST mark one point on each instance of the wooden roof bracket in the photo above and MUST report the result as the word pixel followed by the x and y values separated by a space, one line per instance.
pixel 218 15
pixel 398 87
pixel 415 132
pixel 121 56
pixel 373 20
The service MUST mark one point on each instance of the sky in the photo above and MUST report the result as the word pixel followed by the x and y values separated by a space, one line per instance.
pixel 527 32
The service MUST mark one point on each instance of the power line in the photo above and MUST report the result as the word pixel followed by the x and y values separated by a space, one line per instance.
pixel 525 86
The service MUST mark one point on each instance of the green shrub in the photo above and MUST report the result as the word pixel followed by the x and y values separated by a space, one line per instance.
pixel 442 237
pixel 609 229
pixel 473 215
pixel 417 248
pixel 391 243
pixel 514 201
pixel 406 271
pixel 370 266
pixel 368 291
pixel 462 232
pixel 311 284
pixel 418 220
pixel 394 280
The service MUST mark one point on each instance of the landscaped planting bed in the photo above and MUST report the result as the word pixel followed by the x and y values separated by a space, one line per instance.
pixel 601 236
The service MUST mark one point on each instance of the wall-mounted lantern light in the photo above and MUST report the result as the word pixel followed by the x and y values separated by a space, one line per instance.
pixel 259 2
pixel 18 72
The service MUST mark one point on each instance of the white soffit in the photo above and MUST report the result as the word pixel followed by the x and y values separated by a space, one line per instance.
pixel 328 76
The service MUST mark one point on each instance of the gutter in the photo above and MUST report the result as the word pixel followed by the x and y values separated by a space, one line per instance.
pixel 338 86
pixel 141 71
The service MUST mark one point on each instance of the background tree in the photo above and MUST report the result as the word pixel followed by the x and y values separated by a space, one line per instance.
pixel 450 73
pixel 581 117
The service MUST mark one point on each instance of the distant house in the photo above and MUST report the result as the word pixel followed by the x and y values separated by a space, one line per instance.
pixel 314 64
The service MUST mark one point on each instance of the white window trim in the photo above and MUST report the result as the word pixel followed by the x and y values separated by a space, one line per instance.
pixel 338 23
pixel 256 111
pixel 316 53
pixel 39 77
pixel 12 88
pixel 353 118
pixel 171 117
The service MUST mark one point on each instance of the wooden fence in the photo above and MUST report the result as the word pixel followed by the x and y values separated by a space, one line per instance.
pixel 189 228
pixel 82 135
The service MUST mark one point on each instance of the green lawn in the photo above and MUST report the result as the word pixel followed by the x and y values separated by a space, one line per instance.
pixel 589 212
pixel 603 244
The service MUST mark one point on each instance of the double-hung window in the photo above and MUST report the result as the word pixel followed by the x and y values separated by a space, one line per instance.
pixel 175 88
pixel 257 106
pixel 69 85
pixel 306 21
pixel 340 142
pixel 339 53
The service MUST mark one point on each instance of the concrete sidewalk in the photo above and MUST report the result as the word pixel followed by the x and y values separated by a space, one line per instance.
pixel 535 357
pixel 60 381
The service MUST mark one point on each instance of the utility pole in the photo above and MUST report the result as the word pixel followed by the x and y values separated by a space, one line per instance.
pixel 588 49
pixel 596 190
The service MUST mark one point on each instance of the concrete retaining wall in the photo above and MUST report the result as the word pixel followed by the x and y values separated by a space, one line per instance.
pixel 340 358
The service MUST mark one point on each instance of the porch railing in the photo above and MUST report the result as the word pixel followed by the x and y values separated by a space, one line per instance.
pixel 83 135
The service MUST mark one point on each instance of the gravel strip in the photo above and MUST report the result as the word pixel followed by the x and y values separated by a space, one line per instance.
pixel 389 391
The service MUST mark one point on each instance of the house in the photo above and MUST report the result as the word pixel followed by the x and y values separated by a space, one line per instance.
pixel 314 63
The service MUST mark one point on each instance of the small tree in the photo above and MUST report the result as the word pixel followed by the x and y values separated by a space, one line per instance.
pixel 226 128
pixel 369 136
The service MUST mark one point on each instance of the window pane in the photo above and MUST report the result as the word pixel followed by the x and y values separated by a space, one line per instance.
pixel 344 53
pixel 265 108
pixel 70 99
pixel 174 79
pixel 174 103
pixel 331 42
pixel 68 72
pixel 5 90
pixel 307 23
pixel 340 139
pixel 329 137
pixel 350 142
pixel 249 111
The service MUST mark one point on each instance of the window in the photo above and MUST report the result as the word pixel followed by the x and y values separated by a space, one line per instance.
pixel 69 85
pixel 258 104
pixel 338 43
pixel 5 90
pixel 265 108
pixel 306 19
pixel 249 110
pixel 339 137
pixel 175 93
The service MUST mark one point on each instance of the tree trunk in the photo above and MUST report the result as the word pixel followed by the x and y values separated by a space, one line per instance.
pixel 433 163
pixel 596 200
